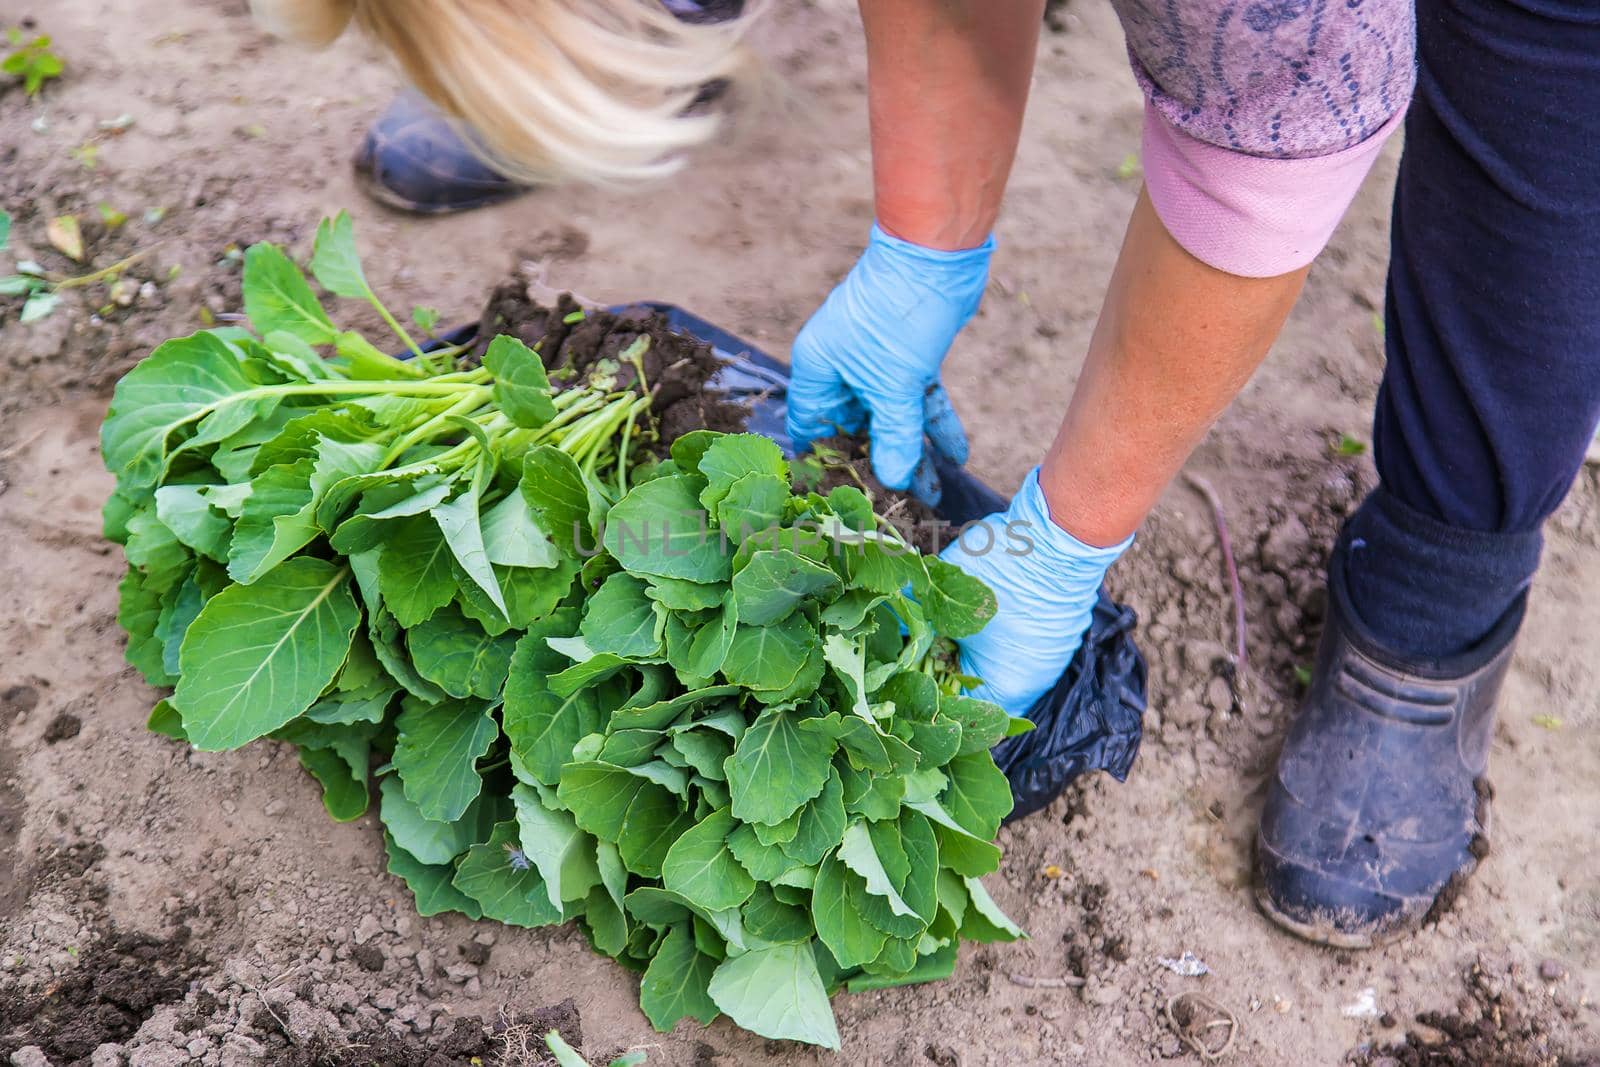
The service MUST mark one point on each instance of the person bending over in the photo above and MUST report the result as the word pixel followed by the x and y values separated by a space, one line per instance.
pixel 1261 120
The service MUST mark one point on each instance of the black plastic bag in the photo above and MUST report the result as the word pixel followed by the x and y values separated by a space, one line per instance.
pixel 1092 719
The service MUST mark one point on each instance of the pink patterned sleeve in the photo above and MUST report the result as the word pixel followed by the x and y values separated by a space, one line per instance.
pixel 1263 118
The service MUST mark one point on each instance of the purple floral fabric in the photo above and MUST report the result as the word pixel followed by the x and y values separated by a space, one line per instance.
pixel 1287 79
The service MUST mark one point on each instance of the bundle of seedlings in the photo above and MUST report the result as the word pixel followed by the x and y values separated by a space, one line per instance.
pixel 600 673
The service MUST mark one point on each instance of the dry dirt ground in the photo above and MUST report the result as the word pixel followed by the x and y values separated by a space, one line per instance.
pixel 173 907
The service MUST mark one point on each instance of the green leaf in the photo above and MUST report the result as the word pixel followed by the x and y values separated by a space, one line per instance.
pixel 512 538
pixel 659 529
pixel 700 867
pixel 344 784
pixel 564 855
pixel 984 921
pixel 704 750
pixel 335 261
pixel 637 815
pixel 820 827
pixel 876 796
pixel 165 720
pixel 753 503
pixel 562 501
pixel 676 594
pixel 5 229
pixel 983 725
pixel 279 516
pixel 276 297
pixel 565 1055
pixel 858 852
pixel 958 849
pixel 429 883
pixel 427 840
pixel 436 753
pixel 776 768
pixel 836 908
pixel 458 656
pixel 936 966
pixel 775 582
pixel 179 613
pixel 138 610
pixel 978 796
pixel 776 991
pixel 677 982
pixel 154 550
pixel 770 919
pixel 521 388
pixel 769 658
pixel 505 885
pixel 426 318
pixel 414 572
pixel 542 725
pixel 958 605
pixel 39 305
pixel 764 862
pixel 710 645
pixel 259 655
pixel 462 527
pixel 179 383
pixel 621 619
pixel 663 713
pixel 734 456
pixel 185 511
pixel 662 907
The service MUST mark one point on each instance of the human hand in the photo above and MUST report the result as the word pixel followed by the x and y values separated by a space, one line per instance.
pixel 1045 582
pixel 869 357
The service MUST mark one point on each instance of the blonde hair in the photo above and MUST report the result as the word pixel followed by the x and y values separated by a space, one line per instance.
pixel 550 89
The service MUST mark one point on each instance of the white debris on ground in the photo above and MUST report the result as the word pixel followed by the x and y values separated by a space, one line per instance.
pixel 1365 1006
pixel 1188 965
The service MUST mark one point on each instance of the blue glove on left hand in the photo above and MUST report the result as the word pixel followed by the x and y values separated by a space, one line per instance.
pixel 869 358
pixel 1046 583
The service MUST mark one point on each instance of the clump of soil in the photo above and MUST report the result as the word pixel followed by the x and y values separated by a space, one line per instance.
pixel 64 727
pixel 842 460
pixel 1491 1024
pixel 677 368
pixel 120 982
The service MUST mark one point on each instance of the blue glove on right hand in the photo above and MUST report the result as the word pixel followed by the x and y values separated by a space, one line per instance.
pixel 1046 583
pixel 869 358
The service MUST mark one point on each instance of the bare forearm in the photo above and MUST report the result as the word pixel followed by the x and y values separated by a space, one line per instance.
pixel 948 83
pixel 1175 341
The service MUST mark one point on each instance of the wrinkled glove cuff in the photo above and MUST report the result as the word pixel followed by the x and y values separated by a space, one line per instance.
pixel 959 277
pixel 1052 549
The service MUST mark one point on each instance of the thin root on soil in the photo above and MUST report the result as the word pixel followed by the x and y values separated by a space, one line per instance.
pixel 1241 663
pixel 1200 1016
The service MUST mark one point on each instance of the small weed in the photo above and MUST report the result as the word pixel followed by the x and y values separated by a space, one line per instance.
pixel 1349 447
pixel 32 61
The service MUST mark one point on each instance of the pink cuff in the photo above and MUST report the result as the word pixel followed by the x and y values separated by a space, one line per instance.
pixel 1249 215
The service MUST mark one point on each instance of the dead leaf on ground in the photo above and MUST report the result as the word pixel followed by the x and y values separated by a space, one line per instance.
pixel 65 236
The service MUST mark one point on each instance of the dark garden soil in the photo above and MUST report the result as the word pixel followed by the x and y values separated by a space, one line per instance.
pixel 677 368
pixel 1492 1023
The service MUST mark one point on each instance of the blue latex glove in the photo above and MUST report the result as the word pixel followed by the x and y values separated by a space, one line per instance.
pixel 1046 582
pixel 869 358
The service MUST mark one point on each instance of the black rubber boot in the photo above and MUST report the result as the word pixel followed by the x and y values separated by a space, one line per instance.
pixel 413 159
pixel 1379 808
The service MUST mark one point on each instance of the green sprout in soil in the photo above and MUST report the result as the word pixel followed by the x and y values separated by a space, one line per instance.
pixel 31 60
pixel 1349 447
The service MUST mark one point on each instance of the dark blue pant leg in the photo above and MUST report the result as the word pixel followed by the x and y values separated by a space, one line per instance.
pixel 1492 389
